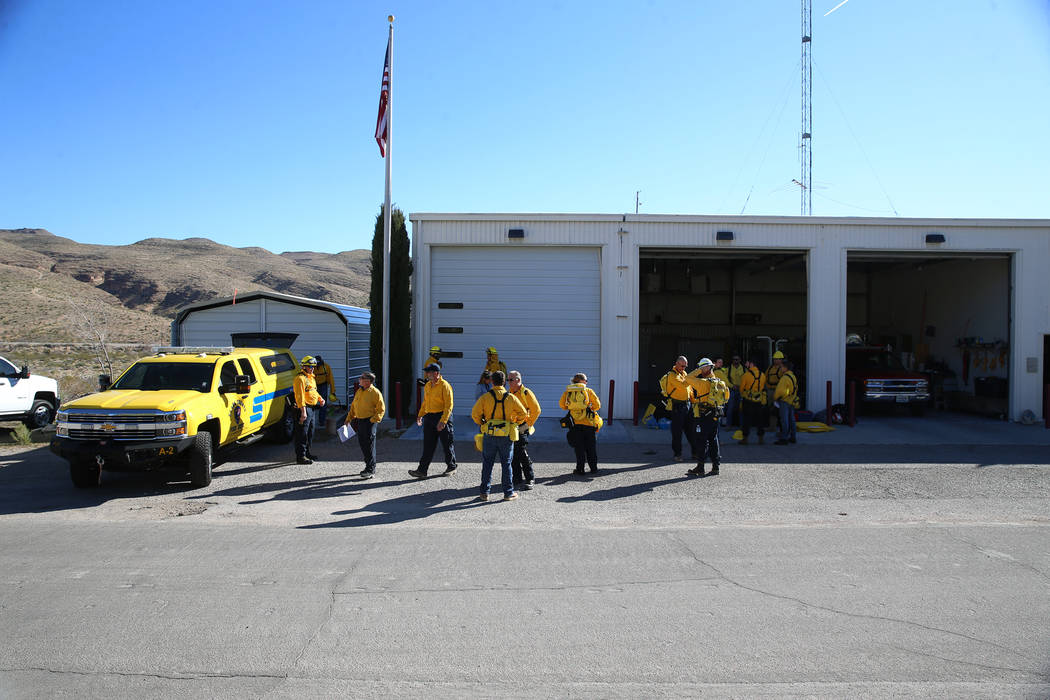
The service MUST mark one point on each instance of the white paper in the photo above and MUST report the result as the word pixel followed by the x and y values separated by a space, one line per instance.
pixel 345 432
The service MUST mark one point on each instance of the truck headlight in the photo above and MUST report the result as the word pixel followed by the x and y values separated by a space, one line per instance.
pixel 172 424
pixel 62 430
pixel 62 416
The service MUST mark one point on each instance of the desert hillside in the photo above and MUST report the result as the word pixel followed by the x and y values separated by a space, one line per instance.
pixel 47 281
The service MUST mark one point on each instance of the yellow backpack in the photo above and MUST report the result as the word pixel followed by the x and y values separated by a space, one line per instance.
pixel 501 427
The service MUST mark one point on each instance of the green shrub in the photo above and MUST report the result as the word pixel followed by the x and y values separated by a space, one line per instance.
pixel 21 435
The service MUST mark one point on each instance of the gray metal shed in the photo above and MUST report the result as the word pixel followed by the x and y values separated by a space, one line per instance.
pixel 338 332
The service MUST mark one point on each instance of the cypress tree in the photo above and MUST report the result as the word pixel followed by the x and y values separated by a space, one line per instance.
pixel 400 310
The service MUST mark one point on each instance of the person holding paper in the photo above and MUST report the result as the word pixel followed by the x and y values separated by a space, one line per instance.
pixel 365 413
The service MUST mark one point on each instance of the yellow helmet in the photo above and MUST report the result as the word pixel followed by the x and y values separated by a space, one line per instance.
pixel 491 351
pixel 434 349
pixel 308 361
pixel 778 355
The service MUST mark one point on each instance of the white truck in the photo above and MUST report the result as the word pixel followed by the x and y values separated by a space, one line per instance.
pixel 30 398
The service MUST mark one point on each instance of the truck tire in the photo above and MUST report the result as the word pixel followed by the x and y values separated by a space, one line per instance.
pixel 85 474
pixel 40 415
pixel 201 459
pixel 283 430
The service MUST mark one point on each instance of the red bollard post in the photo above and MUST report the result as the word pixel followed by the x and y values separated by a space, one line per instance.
pixel 827 414
pixel 636 402
pixel 852 408
pixel 612 397
pixel 397 403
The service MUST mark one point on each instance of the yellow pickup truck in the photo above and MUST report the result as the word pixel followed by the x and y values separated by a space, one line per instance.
pixel 173 410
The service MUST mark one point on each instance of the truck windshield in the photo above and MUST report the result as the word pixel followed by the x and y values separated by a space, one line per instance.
pixel 873 360
pixel 160 376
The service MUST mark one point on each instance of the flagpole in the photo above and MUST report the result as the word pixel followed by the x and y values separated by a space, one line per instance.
pixel 386 215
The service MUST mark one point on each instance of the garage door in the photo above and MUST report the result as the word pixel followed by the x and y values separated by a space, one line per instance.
pixel 540 307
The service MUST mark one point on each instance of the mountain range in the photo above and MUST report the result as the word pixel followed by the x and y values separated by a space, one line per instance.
pixel 47 282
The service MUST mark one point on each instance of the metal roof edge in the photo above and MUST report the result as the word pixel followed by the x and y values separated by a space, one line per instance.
pixel 731 219
pixel 332 306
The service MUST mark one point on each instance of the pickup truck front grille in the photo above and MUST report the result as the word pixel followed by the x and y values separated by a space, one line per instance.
pixel 94 425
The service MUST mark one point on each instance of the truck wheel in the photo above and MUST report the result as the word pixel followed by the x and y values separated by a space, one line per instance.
pixel 40 415
pixel 200 459
pixel 85 474
pixel 283 430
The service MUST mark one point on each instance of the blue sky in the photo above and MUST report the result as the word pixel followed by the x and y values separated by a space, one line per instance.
pixel 251 122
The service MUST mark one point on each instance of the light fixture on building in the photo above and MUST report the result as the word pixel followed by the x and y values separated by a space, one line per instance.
pixel 935 238
pixel 724 236
pixel 516 233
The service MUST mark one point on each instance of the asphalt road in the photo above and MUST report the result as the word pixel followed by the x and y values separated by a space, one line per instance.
pixel 803 571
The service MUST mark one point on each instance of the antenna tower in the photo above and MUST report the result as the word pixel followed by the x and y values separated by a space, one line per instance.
pixel 807 110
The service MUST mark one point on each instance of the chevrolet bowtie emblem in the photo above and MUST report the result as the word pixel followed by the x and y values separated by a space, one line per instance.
pixel 108 427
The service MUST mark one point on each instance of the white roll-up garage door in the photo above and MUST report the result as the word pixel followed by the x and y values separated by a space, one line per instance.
pixel 539 307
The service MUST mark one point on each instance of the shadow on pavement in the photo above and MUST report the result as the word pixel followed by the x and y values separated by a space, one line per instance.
pixel 410 507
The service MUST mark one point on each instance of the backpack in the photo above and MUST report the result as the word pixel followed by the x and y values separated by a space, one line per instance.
pixel 501 427
pixel 578 400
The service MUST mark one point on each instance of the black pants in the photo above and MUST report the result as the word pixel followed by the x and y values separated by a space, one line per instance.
pixel 304 431
pixel 754 415
pixel 707 440
pixel 521 463
pixel 682 422
pixel 366 438
pixel 431 435
pixel 584 441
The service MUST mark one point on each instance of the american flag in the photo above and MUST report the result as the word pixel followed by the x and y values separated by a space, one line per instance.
pixel 384 100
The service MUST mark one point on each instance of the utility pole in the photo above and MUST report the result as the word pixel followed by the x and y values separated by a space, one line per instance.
pixel 637 202
pixel 807 110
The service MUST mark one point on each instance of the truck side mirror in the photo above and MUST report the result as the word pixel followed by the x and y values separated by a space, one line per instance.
pixel 104 382
pixel 241 385
pixel 24 374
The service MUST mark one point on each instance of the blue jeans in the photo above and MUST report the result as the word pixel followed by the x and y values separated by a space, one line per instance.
pixel 787 421
pixel 491 448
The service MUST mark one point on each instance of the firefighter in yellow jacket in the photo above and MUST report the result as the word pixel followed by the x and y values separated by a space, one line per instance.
pixel 493 363
pixel 582 404
pixel 710 395
pixel 366 411
pixel 307 401
pixel 323 377
pixel 677 396
pixel 786 400
pixel 499 413
pixel 736 374
pixel 753 402
pixel 521 464
pixel 435 415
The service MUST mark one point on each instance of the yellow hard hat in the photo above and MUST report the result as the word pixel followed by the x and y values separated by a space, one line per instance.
pixel 435 349
pixel 308 361
pixel 778 355
pixel 491 351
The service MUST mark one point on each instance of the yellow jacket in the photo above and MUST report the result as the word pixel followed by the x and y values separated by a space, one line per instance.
pixel 673 385
pixel 493 365
pixel 753 386
pixel 722 373
pixel 368 403
pixel 437 398
pixel 323 374
pixel 773 375
pixel 305 389
pixel 710 391
pixel 432 361
pixel 787 389
pixel 736 373
pixel 485 408
pixel 581 416
pixel 528 399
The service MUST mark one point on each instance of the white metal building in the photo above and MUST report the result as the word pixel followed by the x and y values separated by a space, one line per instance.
pixel 618 297
pixel 337 332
